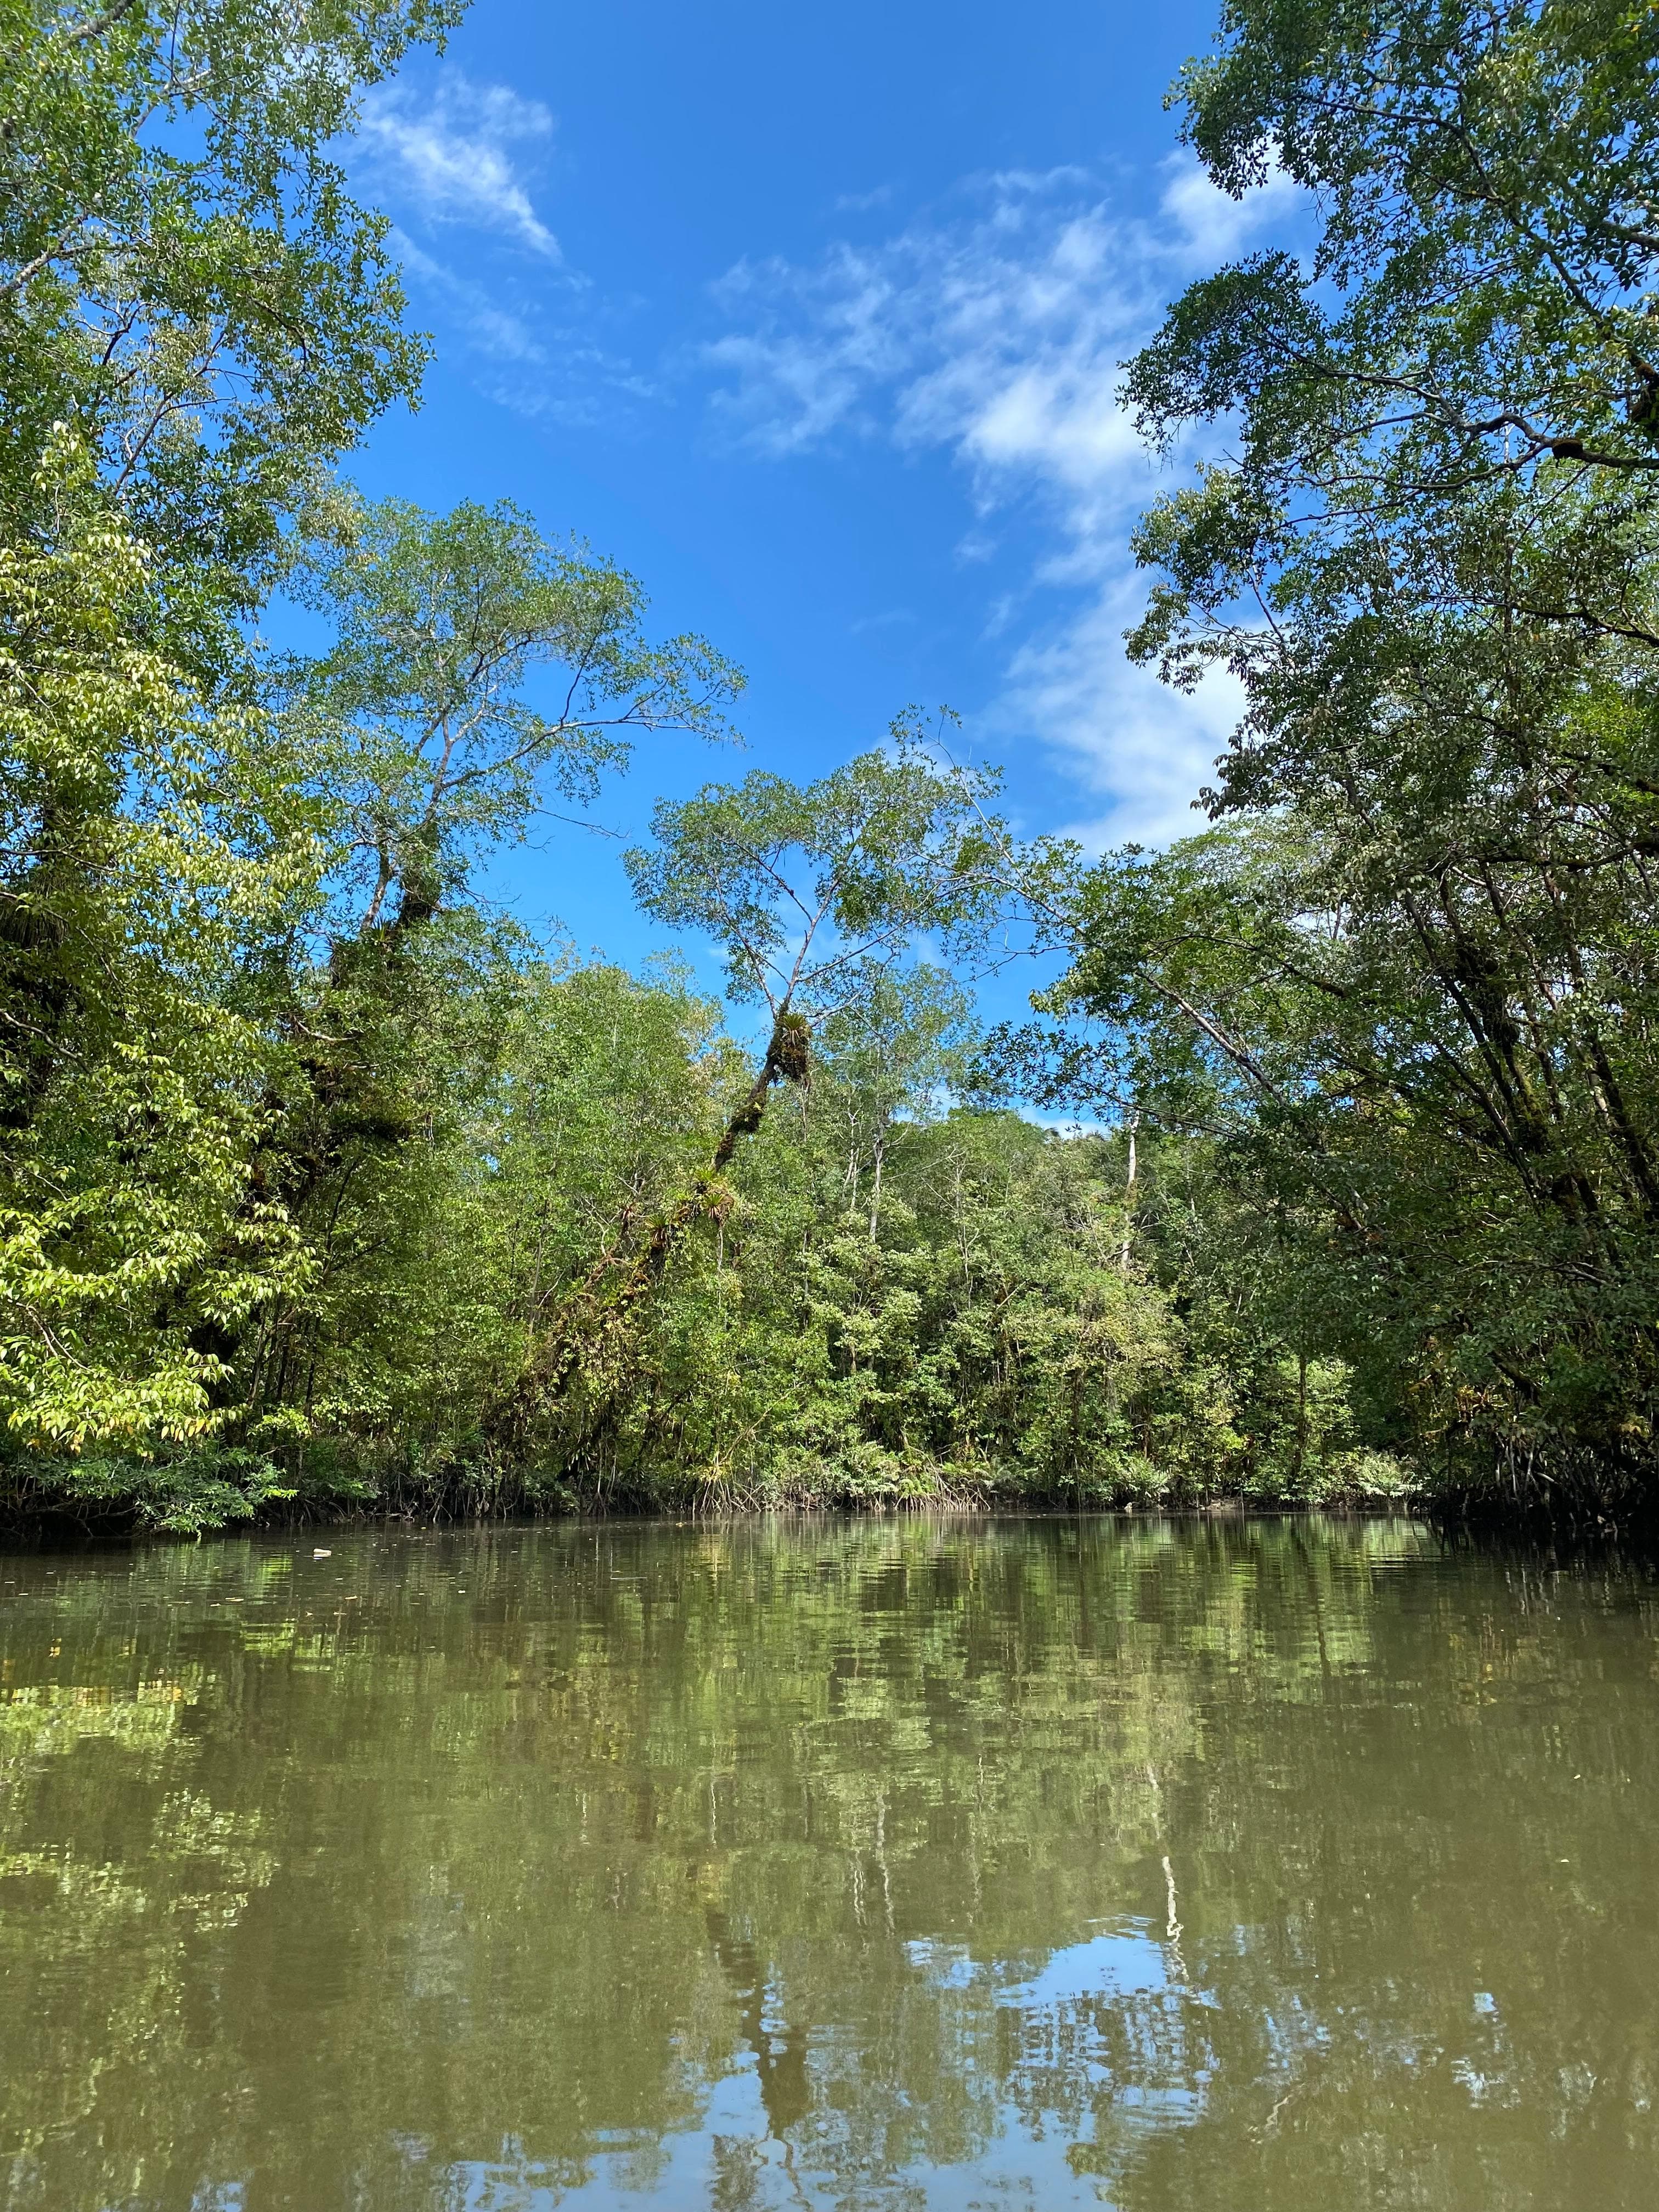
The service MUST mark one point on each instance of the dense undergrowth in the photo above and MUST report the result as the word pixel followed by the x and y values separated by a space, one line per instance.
pixel 879 1310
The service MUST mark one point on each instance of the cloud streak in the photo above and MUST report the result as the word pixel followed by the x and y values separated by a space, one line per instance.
pixel 998 336
pixel 495 331
pixel 451 158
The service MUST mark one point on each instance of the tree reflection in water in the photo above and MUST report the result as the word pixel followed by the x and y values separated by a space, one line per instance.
pixel 887 1865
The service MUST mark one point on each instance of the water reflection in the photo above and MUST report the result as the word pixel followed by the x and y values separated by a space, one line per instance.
pixel 891 1865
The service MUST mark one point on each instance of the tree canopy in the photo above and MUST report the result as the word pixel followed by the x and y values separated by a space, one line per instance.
pixel 1408 981
pixel 322 1181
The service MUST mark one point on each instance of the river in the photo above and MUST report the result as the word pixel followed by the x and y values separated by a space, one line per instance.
pixel 1275 1865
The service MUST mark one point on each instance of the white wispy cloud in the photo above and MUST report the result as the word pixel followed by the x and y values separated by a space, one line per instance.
pixel 864 203
pixel 1140 752
pixel 497 331
pixel 538 354
pixel 1213 224
pixel 452 157
pixel 998 335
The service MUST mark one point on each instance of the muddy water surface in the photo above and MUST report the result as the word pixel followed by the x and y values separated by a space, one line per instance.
pixel 1165 1865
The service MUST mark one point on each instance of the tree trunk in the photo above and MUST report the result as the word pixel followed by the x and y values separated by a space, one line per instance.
pixel 597 1314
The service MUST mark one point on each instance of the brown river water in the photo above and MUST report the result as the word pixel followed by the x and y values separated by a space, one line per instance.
pixel 1277 1866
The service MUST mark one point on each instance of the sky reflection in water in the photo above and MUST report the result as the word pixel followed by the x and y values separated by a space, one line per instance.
pixel 888 1865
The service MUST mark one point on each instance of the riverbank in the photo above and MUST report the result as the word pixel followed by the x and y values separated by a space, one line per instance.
pixel 102 1504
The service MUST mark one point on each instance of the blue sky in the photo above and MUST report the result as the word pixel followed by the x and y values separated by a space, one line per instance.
pixel 812 318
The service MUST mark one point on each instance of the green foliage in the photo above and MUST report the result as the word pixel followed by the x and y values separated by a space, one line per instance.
pixel 814 891
pixel 1479 298
pixel 1407 988
pixel 303 1181
pixel 323 1189
pixel 183 275
pixel 150 854
pixel 417 720
pixel 884 1305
